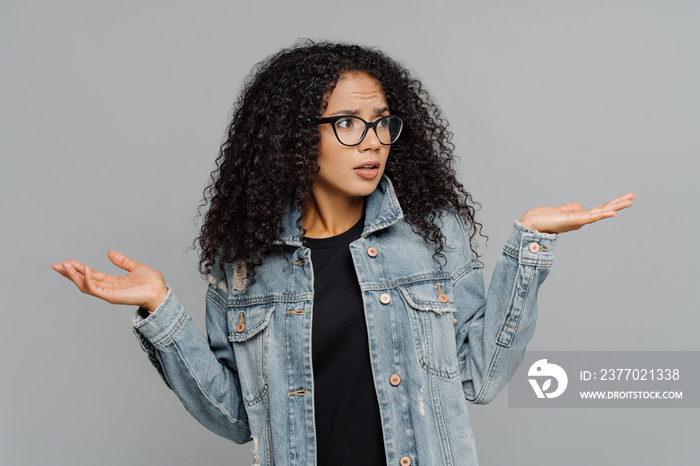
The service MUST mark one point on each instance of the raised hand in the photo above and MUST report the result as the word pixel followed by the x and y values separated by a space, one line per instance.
pixel 572 216
pixel 142 286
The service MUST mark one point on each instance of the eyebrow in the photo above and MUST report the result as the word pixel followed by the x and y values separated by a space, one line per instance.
pixel 358 111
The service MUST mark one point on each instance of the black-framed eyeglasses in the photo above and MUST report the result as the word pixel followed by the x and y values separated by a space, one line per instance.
pixel 351 130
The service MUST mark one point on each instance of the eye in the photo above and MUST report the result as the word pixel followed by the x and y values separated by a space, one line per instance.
pixel 383 122
pixel 345 123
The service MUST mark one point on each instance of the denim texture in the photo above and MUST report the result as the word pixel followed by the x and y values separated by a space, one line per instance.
pixel 429 321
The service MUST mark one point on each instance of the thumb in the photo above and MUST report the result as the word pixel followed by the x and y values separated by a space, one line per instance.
pixel 121 261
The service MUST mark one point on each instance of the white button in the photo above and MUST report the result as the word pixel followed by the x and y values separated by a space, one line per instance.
pixel 384 298
pixel 534 247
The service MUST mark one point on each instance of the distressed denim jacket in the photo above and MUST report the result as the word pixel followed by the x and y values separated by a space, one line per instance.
pixel 436 340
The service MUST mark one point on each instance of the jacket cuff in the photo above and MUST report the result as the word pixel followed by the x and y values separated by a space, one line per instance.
pixel 161 326
pixel 530 247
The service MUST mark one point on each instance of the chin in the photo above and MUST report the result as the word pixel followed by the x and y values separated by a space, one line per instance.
pixel 367 187
pixel 346 187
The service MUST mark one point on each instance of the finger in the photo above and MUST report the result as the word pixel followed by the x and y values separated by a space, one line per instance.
pixel 58 267
pixel 75 276
pixel 585 218
pixel 619 203
pixel 96 274
pixel 121 261
pixel 77 266
pixel 630 196
pixel 624 200
pixel 90 284
pixel 88 279
pixel 613 206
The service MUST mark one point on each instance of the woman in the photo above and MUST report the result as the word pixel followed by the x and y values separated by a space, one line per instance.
pixel 346 317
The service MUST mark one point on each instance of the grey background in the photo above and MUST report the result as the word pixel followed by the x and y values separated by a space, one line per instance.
pixel 111 114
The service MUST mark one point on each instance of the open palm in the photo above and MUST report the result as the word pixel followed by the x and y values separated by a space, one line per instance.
pixel 572 215
pixel 141 286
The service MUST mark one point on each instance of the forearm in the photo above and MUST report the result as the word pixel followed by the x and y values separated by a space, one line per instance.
pixel 493 338
pixel 209 389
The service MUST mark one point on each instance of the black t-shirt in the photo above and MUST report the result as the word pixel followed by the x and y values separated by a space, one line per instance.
pixel 348 425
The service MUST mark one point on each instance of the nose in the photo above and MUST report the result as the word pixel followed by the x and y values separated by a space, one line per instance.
pixel 370 142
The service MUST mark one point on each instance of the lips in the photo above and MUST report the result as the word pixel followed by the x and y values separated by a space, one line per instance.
pixel 368 169
pixel 370 164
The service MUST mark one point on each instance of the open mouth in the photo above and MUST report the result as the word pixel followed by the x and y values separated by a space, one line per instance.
pixel 368 165
pixel 369 169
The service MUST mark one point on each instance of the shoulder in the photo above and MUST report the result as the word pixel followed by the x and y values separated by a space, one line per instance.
pixel 451 223
pixel 406 246
pixel 232 278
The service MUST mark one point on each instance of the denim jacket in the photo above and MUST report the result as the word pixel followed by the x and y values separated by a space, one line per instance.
pixel 436 339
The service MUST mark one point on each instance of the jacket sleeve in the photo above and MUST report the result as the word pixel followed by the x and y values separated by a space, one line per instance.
pixel 201 372
pixel 493 330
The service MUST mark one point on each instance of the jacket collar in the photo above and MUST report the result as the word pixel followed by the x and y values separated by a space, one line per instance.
pixel 382 210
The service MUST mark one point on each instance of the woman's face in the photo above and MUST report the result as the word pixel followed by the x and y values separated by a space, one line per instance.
pixel 352 171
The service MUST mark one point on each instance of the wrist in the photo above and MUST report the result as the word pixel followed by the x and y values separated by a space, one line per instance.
pixel 527 224
pixel 157 299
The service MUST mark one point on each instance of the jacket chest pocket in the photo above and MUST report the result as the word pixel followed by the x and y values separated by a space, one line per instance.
pixel 430 307
pixel 249 335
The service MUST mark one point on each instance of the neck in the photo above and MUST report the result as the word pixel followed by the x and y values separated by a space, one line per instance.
pixel 324 218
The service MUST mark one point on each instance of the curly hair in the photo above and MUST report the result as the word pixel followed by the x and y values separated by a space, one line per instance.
pixel 272 147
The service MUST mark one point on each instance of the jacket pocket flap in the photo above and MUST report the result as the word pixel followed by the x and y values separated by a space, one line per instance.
pixel 433 295
pixel 246 322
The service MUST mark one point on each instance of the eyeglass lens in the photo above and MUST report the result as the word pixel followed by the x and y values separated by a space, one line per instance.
pixel 352 130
